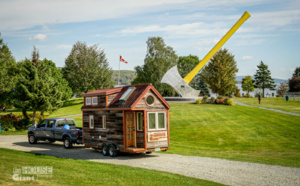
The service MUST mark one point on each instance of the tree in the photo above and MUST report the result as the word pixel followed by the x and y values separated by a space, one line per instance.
pixel 263 78
pixel 247 84
pixel 297 72
pixel 159 59
pixel 7 73
pixel 219 73
pixel 35 88
pixel 87 69
pixel 282 89
pixel 185 65
pixel 294 84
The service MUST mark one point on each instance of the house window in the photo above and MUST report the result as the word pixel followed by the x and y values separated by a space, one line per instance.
pixel 140 121
pixel 95 101
pixel 88 101
pixel 104 122
pixel 91 121
pixel 150 100
pixel 156 120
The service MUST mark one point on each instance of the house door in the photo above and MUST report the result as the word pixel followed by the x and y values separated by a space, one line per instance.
pixel 130 129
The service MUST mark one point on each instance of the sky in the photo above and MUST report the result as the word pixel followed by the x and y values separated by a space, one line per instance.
pixel 119 27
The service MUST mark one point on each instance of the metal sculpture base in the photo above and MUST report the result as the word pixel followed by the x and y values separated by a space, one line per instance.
pixel 173 78
pixel 180 99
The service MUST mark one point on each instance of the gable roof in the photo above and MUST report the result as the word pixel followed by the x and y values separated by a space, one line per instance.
pixel 131 100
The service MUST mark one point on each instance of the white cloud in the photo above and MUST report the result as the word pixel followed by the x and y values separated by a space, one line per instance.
pixel 38 37
pixel 246 58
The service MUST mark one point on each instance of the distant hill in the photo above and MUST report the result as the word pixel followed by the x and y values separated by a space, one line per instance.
pixel 126 76
pixel 277 81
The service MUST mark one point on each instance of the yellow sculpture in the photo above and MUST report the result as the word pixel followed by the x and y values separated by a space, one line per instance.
pixel 188 78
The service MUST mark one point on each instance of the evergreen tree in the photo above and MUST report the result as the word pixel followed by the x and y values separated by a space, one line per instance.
pixel 247 84
pixel 7 73
pixel 263 78
pixel 219 73
pixel 297 72
pixel 159 59
pixel 87 69
pixel 35 88
pixel 203 88
pixel 185 65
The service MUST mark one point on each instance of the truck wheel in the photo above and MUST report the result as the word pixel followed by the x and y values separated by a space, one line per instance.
pixel 32 139
pixel 104 149
pixel 67 143
pixel 112 151
pixel 149 152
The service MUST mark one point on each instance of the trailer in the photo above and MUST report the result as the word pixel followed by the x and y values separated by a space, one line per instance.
pixel 132 119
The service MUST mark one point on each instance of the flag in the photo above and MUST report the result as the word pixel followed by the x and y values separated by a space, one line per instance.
pixel 123 60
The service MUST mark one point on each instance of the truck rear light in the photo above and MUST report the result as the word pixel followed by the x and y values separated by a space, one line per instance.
pixel 77 135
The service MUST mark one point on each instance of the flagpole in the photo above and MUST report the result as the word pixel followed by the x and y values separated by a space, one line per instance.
pixel 119 70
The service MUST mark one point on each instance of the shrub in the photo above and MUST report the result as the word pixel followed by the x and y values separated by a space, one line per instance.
pixel 219 101
pixel 220 97
pixel 230 102
pixel 38 117
pixel 205 99
pixel 226 101
pixel 8 121
pixel 212 100
pixel 198 101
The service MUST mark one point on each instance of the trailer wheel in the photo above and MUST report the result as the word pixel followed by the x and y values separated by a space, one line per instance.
pixel 112 151
pixel 149 152
pixel 104 149
pixel 67 143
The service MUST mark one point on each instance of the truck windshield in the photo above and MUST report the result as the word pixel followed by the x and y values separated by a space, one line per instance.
pixel 61 123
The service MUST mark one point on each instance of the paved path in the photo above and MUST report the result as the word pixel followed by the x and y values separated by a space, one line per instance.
pixel 217 170
pixel 274 110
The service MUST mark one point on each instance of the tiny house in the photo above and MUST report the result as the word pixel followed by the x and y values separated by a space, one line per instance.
pixel 132 118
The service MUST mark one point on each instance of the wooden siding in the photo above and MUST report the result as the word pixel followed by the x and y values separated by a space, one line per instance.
pixel 102 101
pixel 140 141
pixel 158 105
pixel 111 97
pixel 113 132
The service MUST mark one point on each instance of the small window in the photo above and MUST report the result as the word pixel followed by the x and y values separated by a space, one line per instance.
pixel 140 121
pixel 150 100
pixel 42 124
pixel 91 121
pixel 88 101
pixel 127 93
pixel 104 122
pixel 151 120
pixel 50 124
pixel 95 101
pixel 156 120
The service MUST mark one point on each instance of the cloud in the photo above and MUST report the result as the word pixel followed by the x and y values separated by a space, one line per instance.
pixel 246 58
pixel 64 47
pixel 38 37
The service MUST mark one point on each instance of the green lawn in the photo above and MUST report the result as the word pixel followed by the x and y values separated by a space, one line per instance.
pixel 83 172
pixel 274 103
pixel 236 133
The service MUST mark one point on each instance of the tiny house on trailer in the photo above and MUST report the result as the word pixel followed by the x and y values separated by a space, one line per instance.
pixel 132 118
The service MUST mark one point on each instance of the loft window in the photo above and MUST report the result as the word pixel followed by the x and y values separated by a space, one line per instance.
pixel 127 93
pixel 95 101
pixel 88 101
pixel 150 100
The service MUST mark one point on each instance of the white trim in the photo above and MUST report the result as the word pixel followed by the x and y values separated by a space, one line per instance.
pixel 87 102
pixel 156 121
pixel 137 121
pixel 90 121
pixel 93 100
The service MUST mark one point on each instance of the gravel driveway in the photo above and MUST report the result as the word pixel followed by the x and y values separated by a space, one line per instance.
pixel 217 170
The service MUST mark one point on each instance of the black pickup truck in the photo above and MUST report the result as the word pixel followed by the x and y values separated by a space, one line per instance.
pixel 56 129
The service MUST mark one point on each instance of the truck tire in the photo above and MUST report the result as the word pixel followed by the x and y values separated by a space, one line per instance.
pixel 67 143
pixel 104 149
pixel 32 139
pixel 112 151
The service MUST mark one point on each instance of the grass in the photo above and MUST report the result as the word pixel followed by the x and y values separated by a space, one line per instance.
pixel 83 172
pixel 274 103
pixel 235 133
